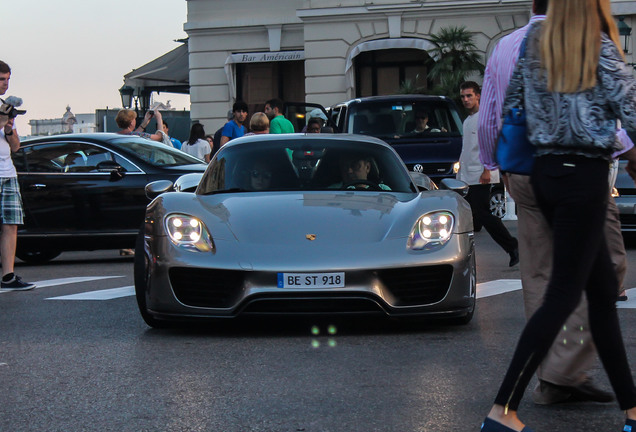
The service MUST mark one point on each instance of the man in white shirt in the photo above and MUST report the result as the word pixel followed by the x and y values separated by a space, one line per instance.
pixel 10 200
pixel 478 177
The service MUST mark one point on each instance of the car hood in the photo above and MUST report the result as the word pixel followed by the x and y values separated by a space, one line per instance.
pixel 338 218
pixel 295 228
pixel 288 217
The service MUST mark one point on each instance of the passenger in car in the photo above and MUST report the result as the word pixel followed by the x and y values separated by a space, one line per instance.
pixel 359 172
pixel 260 176
pixel 74 162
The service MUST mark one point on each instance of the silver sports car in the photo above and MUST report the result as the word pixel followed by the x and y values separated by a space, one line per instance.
pixel 306 224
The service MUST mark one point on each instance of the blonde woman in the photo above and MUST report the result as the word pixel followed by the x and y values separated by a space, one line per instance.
pixel 576 85
pixel 127 121
pixel 259 124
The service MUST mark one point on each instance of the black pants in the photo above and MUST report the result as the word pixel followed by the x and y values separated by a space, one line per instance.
pixel 479 197
pixel 572 192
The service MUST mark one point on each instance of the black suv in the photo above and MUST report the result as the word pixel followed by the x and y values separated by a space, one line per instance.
pixel 433 151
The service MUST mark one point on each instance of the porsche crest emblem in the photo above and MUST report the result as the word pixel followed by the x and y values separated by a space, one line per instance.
pixel 311 237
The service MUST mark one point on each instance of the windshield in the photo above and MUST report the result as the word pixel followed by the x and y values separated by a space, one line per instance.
pixel 154 153
pixel 396 120
pixel 305 165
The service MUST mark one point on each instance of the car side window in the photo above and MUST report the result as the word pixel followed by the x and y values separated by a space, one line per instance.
pixel 66 157
pixel 19 161
pixel 45 158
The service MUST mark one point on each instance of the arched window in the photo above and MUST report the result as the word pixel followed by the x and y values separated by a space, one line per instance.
pixel 382 72
pixel 380 66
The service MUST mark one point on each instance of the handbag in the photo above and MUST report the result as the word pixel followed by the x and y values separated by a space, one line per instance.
pixel 514 152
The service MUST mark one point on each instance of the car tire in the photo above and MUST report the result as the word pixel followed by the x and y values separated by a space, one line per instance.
pixel 34 256
pixel 497 203
pixel 141 277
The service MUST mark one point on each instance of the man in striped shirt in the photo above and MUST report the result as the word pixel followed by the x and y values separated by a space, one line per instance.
pixel 563 375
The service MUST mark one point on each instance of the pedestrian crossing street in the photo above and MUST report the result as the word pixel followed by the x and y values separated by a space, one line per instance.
pixel 485 289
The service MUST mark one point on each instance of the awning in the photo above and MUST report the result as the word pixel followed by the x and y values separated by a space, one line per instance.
pixel 168 73
pixel 256 57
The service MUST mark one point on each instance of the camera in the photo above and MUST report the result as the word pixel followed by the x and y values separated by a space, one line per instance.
pixel 9 107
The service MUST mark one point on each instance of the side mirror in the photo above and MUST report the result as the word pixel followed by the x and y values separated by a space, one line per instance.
pixel 187 182
pixel 108 166
pixel 456 185
pixel 156 188
pixel 422 181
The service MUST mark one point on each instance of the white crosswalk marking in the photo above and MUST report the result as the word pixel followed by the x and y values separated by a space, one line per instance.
pixel 502 286
pixel 484 289
pixel 107 294
pixel 496 287
pixel 65 281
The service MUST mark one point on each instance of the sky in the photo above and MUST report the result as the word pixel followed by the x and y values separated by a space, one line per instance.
pixel 76 52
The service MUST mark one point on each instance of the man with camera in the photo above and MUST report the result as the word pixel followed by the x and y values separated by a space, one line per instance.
pixel 10 200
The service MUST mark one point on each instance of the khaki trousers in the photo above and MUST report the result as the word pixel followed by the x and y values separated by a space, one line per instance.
pixel 573 353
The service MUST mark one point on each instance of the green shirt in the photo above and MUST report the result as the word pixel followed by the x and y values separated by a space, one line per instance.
pixel 280 125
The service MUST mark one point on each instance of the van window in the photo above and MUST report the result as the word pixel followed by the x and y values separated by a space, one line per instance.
pixel 395 119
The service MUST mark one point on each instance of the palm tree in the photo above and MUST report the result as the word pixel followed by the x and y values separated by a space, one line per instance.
pixel 456 58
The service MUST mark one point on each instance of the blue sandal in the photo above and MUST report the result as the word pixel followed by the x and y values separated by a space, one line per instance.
pixel 490 425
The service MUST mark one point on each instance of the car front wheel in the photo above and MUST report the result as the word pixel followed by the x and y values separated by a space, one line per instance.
pixel 141 269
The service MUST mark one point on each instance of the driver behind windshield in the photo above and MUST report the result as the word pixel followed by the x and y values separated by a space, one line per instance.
pixel 356 172
pixel 421 123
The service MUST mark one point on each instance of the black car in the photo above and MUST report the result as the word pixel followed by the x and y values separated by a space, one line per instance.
pixel 86 191
pixel 434 151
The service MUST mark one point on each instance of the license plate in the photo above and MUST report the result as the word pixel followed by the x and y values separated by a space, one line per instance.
pixel 311 280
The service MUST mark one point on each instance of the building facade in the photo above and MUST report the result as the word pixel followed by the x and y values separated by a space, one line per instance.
pixel 67 123
pixel 328 51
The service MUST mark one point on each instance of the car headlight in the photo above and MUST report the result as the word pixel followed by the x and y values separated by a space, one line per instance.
pixel 455 167
pixel 189 232
pixel 430 230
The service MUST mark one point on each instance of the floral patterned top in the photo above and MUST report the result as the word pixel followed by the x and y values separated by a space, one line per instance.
pixel 581 123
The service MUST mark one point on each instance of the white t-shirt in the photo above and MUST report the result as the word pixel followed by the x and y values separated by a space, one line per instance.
pixel 470 166
pixel 6 164
pixel 199 149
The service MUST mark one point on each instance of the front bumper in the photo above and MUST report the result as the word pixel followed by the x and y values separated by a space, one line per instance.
pixel 187 285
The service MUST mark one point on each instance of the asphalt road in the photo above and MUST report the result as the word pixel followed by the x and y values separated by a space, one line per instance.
pixel 76 356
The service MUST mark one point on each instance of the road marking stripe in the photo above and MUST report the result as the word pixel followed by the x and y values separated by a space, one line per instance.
pixel 107 294
pixel 65 281
pixel 502 286
pixel 484 289
pixel 496 287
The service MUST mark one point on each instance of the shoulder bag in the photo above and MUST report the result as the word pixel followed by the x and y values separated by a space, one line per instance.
pixel 514 152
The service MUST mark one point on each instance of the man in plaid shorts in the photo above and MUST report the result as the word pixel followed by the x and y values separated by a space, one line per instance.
pixel 11 213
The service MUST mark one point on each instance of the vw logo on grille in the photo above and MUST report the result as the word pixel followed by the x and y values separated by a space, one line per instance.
pixel 418 168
